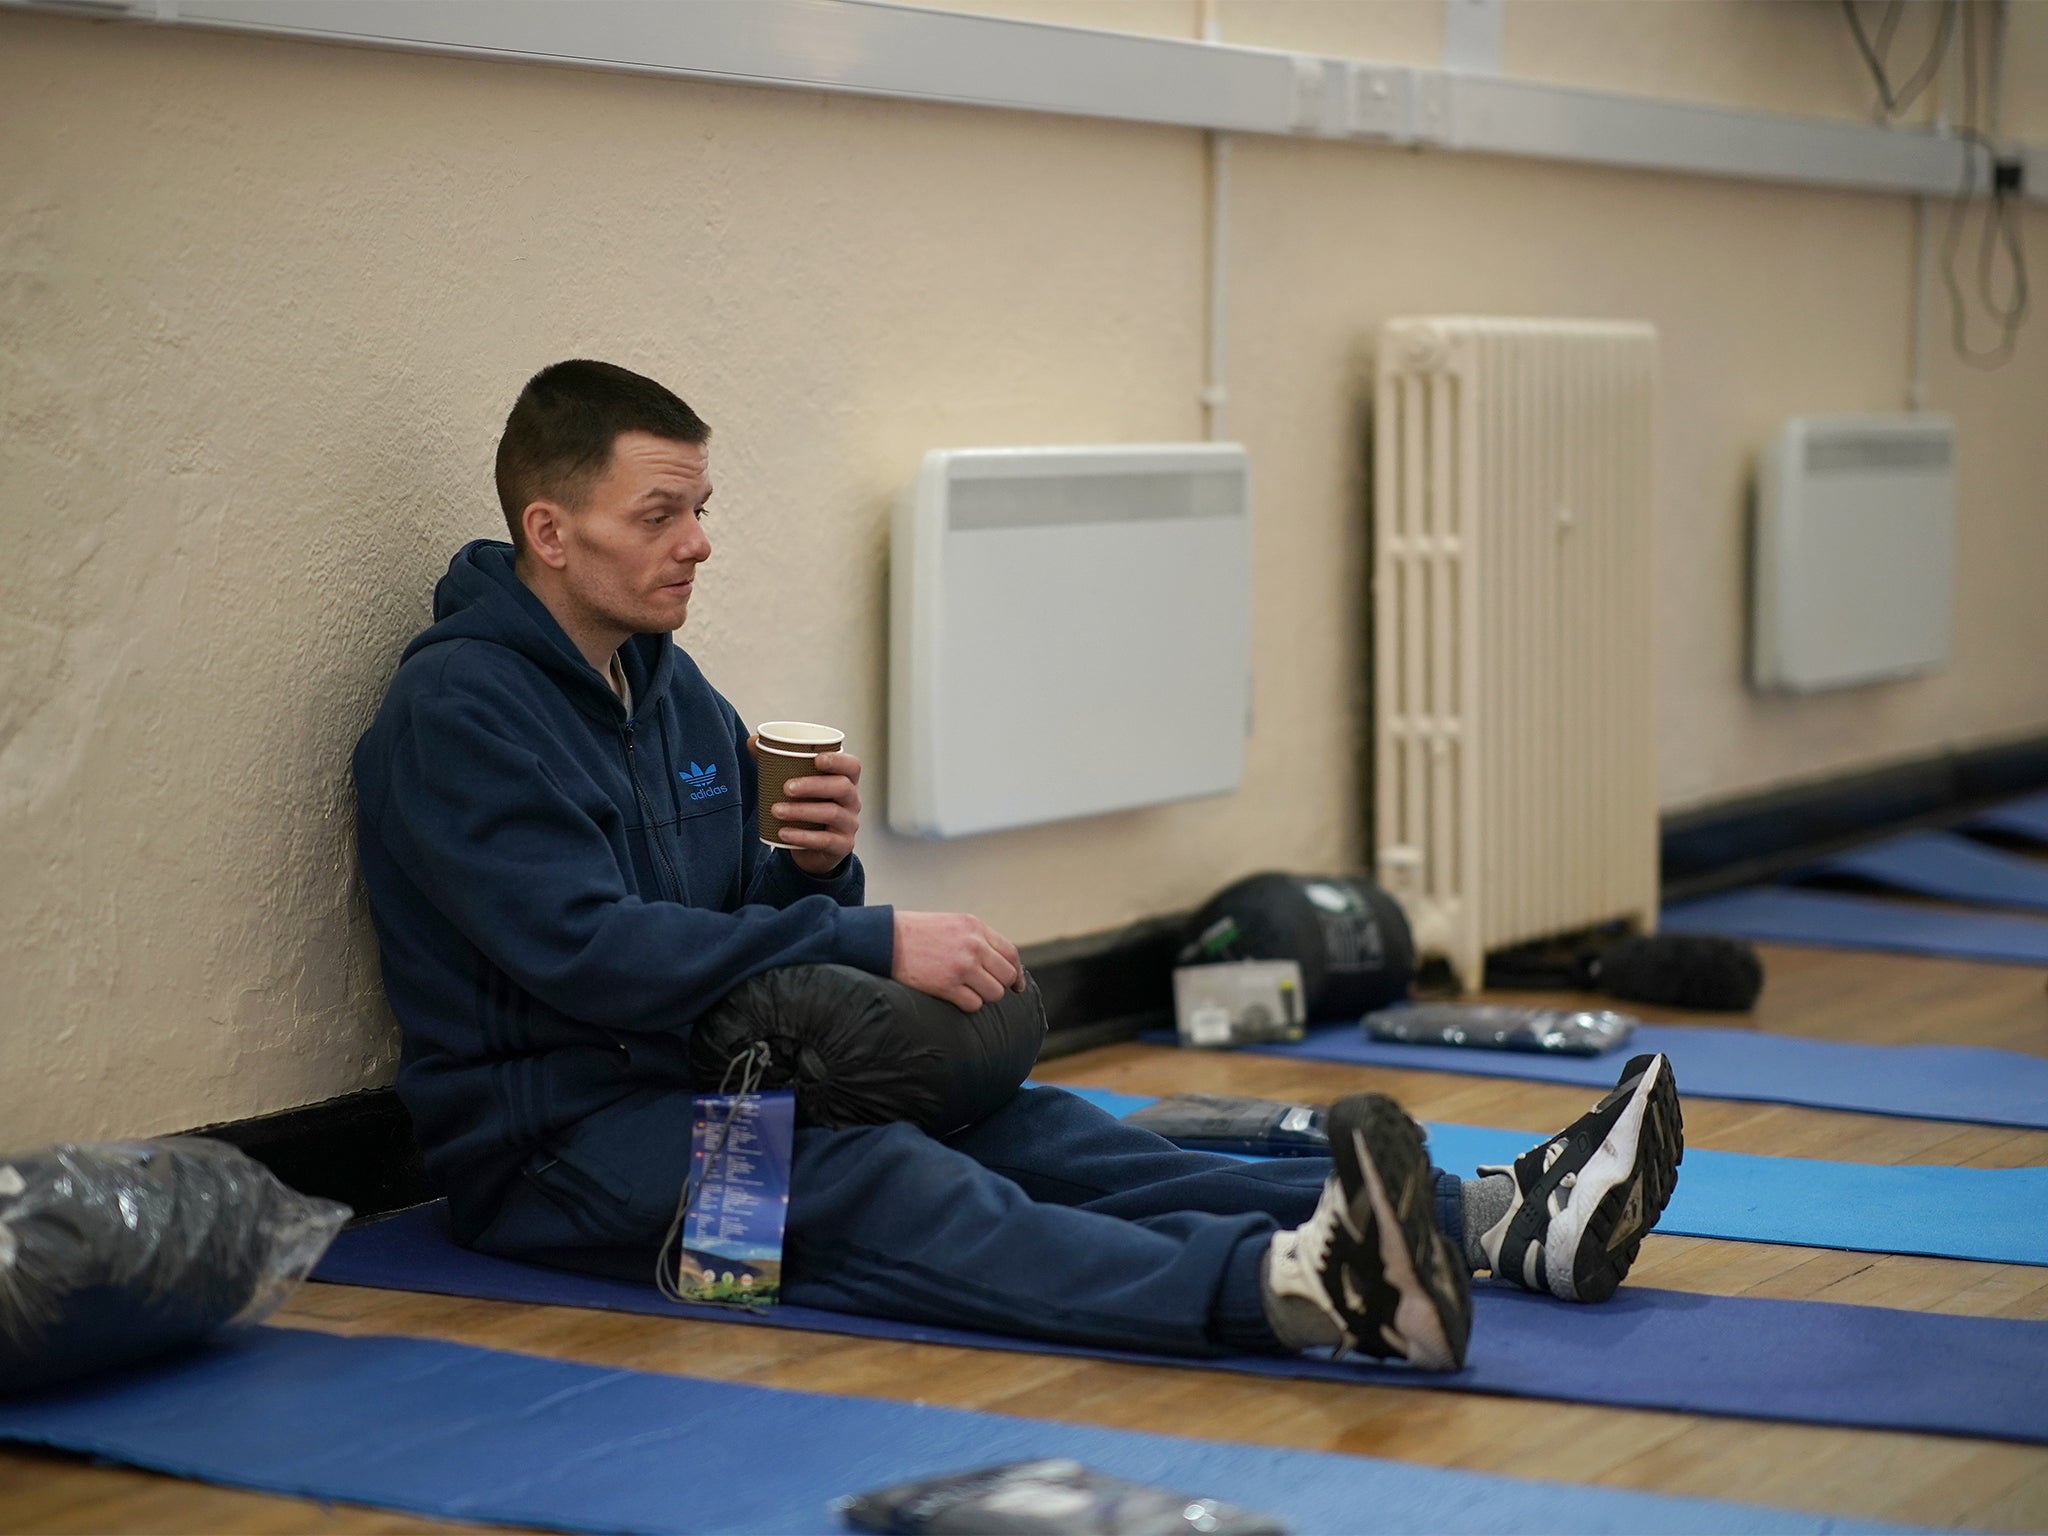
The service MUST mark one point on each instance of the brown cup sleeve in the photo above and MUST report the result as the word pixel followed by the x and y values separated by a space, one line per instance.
pixel 772 772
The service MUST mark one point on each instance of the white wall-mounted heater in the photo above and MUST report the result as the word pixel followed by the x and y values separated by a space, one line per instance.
pixel 1070 633
pixel 1854 554
pixel 1514 761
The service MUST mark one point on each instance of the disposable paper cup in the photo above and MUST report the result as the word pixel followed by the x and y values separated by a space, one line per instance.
pixel 785 750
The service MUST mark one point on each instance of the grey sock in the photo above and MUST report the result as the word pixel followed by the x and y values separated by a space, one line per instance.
pixel 1486 1201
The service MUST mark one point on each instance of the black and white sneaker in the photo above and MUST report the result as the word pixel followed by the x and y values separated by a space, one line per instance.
pixel 1584 1199
pixel 1369 1271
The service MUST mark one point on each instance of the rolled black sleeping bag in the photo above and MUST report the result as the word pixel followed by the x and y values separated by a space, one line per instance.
pixel 1349 937
pixel 860 1049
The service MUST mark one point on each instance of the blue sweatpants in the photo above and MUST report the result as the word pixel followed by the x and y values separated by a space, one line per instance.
pixel 1050 1219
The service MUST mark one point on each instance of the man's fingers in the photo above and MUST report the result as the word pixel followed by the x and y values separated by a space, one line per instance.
pixel 821 811
pixel 808 840
pixel 826 813
pixel 1011 970
pixel 1009 953
pixel 841 764
pixel 835 788
pixel 1002 967
pixel 824 786
pixel 953 956
pixel 981 967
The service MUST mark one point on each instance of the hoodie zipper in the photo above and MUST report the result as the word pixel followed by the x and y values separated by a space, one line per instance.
pixel 668 768
pixel 661 859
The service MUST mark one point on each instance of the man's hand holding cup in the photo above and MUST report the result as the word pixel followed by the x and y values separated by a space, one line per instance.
pixel 809 793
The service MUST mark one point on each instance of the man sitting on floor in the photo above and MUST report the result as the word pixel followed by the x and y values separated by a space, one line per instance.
pixel 553 912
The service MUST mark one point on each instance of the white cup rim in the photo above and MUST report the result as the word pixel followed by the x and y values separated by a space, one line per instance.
pixel 827 738
pixel 804 756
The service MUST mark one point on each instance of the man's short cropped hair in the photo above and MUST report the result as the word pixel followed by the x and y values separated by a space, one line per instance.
pixel 558 439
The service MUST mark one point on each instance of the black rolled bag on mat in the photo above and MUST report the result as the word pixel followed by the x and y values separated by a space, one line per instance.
pixel 1349 937
pixel 860 1049
pixel 110 1254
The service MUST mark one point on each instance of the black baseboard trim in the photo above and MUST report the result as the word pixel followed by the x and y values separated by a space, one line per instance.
pixel 1741 842
pixel 1106 987
pixel 359 1149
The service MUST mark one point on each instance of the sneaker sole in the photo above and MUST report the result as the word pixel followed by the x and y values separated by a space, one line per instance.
pixel 1377 1146
pixel 1630 1179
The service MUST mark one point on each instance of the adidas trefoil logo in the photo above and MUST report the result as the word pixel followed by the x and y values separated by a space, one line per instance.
pixel 702 781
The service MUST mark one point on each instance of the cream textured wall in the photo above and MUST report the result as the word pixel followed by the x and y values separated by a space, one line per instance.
pixel 1763 55
pixel 2026 96
pixel 263 306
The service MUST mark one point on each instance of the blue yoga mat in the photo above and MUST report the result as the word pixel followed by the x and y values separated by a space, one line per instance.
pixel 1940 864
pixel 1993 1214
pixel 1926 1082
pixel 1780 915
pixel 462 1433
pixel 1745 1357
pixel 2027 818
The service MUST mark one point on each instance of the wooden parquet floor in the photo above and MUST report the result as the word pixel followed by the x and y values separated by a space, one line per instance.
pixel 1926 1480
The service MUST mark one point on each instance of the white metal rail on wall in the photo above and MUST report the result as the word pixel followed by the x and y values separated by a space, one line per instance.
pixel 870 48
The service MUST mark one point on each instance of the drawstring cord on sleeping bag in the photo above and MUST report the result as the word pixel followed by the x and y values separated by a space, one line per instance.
pixel 752 1065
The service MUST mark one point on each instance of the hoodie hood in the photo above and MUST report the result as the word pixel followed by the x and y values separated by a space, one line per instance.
pixel 482 598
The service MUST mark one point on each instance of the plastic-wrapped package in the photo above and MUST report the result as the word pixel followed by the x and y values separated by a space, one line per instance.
pixel 1221 1122
pixel 1046 1498
pixel 1496 1027
pixel 864 1050
pixel 111 1253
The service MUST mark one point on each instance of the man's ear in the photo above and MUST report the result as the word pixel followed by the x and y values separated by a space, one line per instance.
pixel 542 521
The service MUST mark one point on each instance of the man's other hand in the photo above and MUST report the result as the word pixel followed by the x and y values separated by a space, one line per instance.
pixel 955 957
pixel 828 799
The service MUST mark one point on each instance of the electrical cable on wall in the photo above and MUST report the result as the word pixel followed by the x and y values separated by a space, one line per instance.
pixel 2001 225
pixel 1896 100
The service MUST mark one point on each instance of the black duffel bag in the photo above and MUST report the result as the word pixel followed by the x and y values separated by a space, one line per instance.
pixel 860 1049
pixel 1349 937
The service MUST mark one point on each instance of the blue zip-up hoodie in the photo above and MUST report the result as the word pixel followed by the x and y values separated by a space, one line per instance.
pixel 559 889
